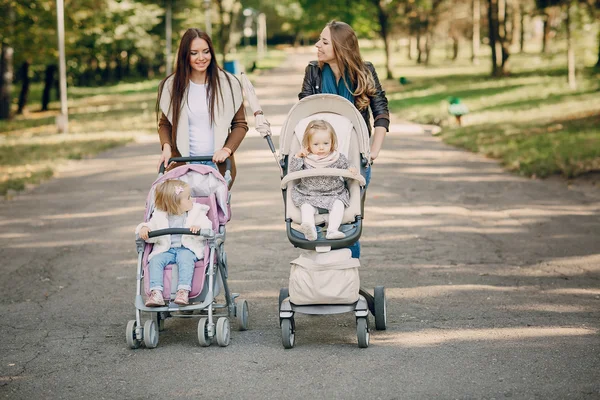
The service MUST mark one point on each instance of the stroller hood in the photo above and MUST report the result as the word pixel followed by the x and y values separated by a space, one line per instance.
pixel 203 181
pixel 338 111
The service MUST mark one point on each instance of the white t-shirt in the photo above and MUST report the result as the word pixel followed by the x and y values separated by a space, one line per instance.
pixel 202 137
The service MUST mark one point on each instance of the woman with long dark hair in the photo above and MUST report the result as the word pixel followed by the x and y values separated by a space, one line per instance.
pixel 200 106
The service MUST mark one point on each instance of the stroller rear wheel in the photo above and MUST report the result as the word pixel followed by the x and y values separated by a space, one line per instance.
pixel 159 320
pixel 241 313
pixel 287 333
pixel 132 341
pixel 203 337
pixel 380 308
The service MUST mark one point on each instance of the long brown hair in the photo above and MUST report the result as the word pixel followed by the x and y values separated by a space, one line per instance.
pixel 347 57
pixel 182 77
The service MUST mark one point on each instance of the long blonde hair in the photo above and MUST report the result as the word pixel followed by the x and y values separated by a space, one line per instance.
pixel 347 57
pixel 319 125
pixel 168 194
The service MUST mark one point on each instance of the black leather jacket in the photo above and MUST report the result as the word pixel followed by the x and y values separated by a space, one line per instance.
pixel 379 103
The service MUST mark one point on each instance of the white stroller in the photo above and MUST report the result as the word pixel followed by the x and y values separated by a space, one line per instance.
pixel 353 141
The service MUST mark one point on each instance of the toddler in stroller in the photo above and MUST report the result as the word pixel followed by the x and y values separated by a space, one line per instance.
pixel 319 145
pixel 204 234
pixel 324 280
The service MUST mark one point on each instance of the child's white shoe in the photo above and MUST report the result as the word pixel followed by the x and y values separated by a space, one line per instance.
pixel 335 235
pixel 309 231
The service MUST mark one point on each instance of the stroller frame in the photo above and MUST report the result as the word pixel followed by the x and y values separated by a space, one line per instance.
pixel 207 310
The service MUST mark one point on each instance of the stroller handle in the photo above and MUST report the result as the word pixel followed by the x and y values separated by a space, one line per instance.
pixel 161 170
pixel 180 231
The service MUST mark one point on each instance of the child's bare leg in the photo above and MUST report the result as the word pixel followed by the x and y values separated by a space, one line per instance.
pixel 336 214
pixel 308 222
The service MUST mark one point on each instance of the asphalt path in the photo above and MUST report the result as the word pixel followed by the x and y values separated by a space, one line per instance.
pixel 492 283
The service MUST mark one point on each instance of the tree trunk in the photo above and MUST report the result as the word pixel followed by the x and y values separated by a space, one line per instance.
pixel 546 33
pixel 521 28
pixel 428 45
pixel 493 33
pixel 598 62
pixel 24 74
pixel 384 32
pixel 49 83
pixel 419 47
pixel 570 51
pixel 476 8
pixel 505 31
pixel 409 54
pixel 6 80
pixel 455 44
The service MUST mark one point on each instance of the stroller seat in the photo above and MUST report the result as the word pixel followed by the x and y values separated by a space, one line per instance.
pixel 349 144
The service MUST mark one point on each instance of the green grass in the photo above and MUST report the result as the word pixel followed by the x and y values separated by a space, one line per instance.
pixel 530 120
pixel 18 184
pixel 23 153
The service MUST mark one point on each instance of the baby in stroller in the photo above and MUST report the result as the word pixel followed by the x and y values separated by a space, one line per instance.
pixel 319 150
pixel 174 209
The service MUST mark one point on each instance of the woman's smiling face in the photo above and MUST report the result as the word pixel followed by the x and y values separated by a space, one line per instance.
pixel 324 46
pixel 200 56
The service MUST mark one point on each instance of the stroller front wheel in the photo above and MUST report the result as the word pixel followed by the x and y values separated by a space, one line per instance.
pixel 132 341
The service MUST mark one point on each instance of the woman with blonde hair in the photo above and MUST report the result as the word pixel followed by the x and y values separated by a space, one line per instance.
pixel 200 106
pixel 340 70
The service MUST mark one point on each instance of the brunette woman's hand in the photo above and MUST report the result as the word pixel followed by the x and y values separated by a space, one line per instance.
pixel 221 155
pixel 165 155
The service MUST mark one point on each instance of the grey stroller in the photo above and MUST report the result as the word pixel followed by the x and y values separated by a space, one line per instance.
pixel 210 274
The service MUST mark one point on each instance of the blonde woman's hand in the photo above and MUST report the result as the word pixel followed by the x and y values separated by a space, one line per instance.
pixel 144 232
pixel 221 155
pixel 353 171
pixel 165 155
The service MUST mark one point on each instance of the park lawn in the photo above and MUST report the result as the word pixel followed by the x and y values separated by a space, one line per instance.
pixel 100 118
pixel 531 120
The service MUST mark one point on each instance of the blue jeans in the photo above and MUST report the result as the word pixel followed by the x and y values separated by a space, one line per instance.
pixel 208 163
pixel 355 248
pixel 185 260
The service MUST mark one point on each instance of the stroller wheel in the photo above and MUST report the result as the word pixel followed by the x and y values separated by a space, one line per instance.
pixel 287 333
pixel 132 341
pixel 203 337
pixel 241 312
pixel 380 308
pixel 362 332
pixel 150 334
pixel 223 332
pixel 284 293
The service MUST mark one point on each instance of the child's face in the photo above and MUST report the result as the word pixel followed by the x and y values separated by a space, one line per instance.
pixel 185 201
pixel 320 143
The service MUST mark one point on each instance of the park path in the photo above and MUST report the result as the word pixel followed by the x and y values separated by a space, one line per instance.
pixel 492 282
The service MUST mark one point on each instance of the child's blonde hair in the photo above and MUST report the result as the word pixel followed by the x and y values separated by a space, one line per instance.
pixel 319 125
pixel 168 196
